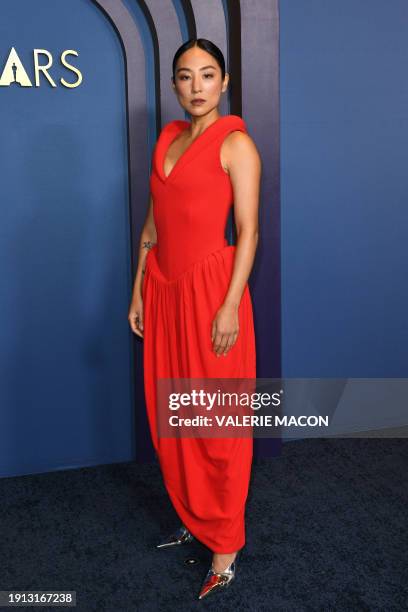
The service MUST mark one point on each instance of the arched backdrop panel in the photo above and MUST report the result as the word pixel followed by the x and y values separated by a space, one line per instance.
pixel 67 383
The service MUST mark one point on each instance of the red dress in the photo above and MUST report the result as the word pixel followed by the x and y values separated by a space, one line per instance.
pixel 187 275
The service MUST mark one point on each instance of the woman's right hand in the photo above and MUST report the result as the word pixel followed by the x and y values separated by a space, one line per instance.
pixel 135 316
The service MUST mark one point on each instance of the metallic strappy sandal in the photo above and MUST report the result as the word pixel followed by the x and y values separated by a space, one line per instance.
pixel 215 581
pixel 181 536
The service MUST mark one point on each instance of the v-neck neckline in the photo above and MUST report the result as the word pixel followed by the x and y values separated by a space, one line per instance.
pixel 167 145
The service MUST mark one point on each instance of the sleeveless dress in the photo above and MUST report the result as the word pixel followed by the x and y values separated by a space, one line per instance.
pixel 187 275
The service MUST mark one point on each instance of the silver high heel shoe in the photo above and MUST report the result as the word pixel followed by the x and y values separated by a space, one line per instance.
pixel 215 581
pixel 181 536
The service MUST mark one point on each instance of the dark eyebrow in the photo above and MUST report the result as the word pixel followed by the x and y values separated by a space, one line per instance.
pixel 203 68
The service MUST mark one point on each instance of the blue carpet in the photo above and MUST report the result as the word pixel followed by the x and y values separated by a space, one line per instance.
pixel 326 530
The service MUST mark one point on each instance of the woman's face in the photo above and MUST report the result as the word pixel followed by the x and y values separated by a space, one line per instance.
pixel 198 75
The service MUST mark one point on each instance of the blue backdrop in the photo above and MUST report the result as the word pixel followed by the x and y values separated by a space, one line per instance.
pixel 344 192
pixel 67 370
pixel 66 360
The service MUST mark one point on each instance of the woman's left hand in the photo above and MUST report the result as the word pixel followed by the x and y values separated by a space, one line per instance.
pixel 225 329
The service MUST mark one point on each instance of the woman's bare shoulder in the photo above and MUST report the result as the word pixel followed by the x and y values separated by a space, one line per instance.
pixel 239 146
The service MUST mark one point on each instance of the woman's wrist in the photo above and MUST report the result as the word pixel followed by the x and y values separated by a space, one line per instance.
pixel 231 303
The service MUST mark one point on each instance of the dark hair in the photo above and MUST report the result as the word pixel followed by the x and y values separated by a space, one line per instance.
pixel 204 44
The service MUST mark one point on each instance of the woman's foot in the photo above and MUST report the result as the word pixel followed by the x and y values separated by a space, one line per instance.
pixel 220 576
pixel 181 536
pixel 221 561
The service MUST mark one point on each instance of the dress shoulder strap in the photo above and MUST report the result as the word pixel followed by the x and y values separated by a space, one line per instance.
pixel 173 126
pixel 167 133
pixel 231 123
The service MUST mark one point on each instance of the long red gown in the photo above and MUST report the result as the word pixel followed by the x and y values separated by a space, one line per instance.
pixel 187 275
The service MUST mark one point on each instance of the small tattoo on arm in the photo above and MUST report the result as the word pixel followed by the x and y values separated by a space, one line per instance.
pixel 148 244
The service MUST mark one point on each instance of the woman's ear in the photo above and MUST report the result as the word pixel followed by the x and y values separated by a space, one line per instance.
pixel 225 82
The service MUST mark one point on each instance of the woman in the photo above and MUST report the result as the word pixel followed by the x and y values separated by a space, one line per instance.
pixel 191 302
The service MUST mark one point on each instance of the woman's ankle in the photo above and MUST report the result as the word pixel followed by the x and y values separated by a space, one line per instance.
pixel 221 561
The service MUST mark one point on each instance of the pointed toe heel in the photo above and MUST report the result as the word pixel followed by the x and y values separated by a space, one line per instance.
pixel 217 581
pixel 179 537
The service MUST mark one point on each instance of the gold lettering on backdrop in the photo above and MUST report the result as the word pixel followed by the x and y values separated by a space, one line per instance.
pixel 43 69
pixel 70 67
pixel 15 74
pixel 14 71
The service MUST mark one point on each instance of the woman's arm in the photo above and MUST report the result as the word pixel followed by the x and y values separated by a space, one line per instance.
pixel 242 160
pixel 148 238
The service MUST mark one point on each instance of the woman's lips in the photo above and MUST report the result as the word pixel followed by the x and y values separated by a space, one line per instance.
pixel 197 102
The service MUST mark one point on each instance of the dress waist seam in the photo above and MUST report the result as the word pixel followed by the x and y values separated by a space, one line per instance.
pixel 227 249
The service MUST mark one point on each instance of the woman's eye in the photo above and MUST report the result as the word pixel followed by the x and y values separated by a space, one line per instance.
pixel 183 77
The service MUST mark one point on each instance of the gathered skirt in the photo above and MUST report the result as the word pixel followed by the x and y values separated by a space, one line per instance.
pixel 207 479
